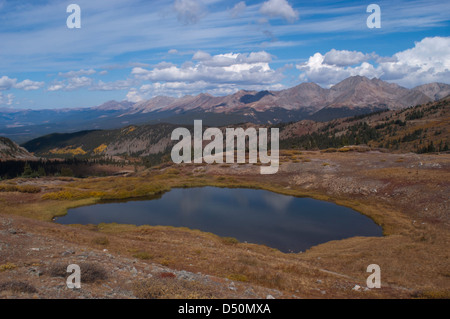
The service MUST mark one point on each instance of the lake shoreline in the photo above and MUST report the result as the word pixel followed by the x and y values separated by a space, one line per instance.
pixel 410 254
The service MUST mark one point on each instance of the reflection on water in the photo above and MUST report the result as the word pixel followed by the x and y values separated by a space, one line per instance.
pixel 287 223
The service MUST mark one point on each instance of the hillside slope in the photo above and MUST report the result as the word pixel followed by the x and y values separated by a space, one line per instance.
pixel 421 129
pixel 10 150
pixel 131 140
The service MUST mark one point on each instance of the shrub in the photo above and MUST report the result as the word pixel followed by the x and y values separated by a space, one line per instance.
pixel 28 189
pixel 73 194
pixel 143 255
pixel 172 171
pixel 7 266
pixel 230 241
pixel 89 272
pixel 17 287
pixel 433 294
pixel 65 171
pixel 20 188
pixel 104 241
pixel 92 273
pixel 169 288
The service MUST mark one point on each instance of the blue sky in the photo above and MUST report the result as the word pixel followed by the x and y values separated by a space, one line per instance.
pixel 135 49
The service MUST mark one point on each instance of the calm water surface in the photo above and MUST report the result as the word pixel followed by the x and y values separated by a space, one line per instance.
pixel 288 223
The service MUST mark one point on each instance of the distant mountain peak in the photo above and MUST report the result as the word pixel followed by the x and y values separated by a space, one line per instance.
pixel 435 91
pixel 114 105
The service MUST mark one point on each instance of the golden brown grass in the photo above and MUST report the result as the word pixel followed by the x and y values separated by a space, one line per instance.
pixel 169 288
pixel 7 266
pixel 410 256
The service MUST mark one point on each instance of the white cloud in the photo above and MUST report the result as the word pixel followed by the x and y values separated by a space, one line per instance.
pixel 218 75
pixel 71 84
pixel 55 87
pixel 189 11
pixel 238 9
pixel 31 43
pixel 201 56
pixel 237 68
pixel 7 83
pixel 29 85
pixel 279 9
pixel 72 74
pixel 134 96
pixel 428 61
pixel 113 86
pixel 6 99
pixel 345 58
pixel 76 83
pixel 179 89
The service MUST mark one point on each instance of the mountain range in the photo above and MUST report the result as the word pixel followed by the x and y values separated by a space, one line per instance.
pixel 353 96
pixel 423 128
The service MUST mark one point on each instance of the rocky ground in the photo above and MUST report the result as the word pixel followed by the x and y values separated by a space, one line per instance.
pixel 37 265
pixel 405 193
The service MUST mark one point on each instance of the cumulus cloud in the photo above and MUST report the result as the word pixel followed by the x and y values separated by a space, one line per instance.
pixel 134 96
pixel 315 70
pixel 346 58
pixel 180 89
pixel 189 11
pixel 201 56
pixel 428 61
pixel 218 75
pixel 71 84
pixel 7 83
pixel 279 9
pixel 29 85
pixel 236 68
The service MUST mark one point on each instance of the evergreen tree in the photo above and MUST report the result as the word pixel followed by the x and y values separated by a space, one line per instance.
pixel 27 170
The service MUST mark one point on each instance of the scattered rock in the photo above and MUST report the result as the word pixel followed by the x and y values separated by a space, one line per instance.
pixel 35 272
pixel 356 288
pixel 68 252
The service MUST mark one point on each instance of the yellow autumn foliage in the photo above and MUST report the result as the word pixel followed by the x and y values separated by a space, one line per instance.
pixel 68 150
pixel 100 149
